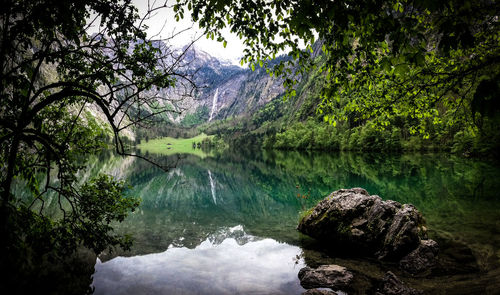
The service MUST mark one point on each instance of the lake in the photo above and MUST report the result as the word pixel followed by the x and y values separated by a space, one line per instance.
pixel 226 223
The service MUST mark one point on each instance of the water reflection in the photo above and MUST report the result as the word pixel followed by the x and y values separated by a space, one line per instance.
pixel 187 207
pixel 212 186
pixel 227 262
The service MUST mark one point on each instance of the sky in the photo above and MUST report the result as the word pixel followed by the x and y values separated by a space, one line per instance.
pixel 163 24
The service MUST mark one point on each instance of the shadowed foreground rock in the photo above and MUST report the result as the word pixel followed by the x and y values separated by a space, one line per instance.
pixel 421 259
pixel 364 224
pixel 331 276
pixel 391 285
pixel 326 278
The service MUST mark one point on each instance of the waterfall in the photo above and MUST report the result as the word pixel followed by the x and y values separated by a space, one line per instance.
pixel 214 104
pixel 212 186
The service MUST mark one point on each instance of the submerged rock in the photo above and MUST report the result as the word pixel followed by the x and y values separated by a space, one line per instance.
pixel 325 276
pixel 392 285
pixel 364 224
pixel 319 292
pixel 421 259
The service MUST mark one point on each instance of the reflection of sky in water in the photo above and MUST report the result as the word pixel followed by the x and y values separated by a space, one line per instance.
pixel 239 264
pixel 199 200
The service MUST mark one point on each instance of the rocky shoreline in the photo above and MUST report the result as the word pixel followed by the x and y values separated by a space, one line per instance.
pixel 353 222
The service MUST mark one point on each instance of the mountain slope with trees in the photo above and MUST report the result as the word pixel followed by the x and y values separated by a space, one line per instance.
pixel 433 65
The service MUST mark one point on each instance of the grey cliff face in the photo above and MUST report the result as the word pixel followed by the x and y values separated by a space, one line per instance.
pixel 239 90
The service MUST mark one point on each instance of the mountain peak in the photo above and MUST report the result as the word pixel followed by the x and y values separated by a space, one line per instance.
pixel 194 51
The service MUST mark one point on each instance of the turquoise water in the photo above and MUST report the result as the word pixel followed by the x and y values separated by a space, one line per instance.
pixel 226 224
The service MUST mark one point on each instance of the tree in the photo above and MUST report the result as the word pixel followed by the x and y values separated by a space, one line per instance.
pixel 413 58
pixel 52 72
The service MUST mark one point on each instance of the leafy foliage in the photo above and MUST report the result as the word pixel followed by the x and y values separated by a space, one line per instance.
pixel 294 125
pixel 387 58
pixel 53 71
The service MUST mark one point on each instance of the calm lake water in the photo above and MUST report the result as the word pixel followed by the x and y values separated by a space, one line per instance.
pixel 226 224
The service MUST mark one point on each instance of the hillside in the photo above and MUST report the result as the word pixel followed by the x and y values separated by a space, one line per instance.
pixel 247 108
pixel 259 116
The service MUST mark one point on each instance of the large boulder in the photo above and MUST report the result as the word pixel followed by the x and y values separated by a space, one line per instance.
pixel 364 224
pixel 325 276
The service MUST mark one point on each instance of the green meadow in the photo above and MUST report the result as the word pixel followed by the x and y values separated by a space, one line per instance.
pixel 170 145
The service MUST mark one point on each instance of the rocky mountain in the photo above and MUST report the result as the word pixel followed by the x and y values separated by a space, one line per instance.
pixel 223 90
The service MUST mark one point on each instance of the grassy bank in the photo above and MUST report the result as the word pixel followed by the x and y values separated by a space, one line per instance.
pixel 169 145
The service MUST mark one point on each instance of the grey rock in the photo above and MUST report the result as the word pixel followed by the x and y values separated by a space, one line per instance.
pixel 421 259
pixel 325 276
pixel 365 224
pixel 392 285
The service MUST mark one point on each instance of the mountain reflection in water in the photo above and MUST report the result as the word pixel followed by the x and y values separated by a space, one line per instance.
pixel 183 242
pixel 228 262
